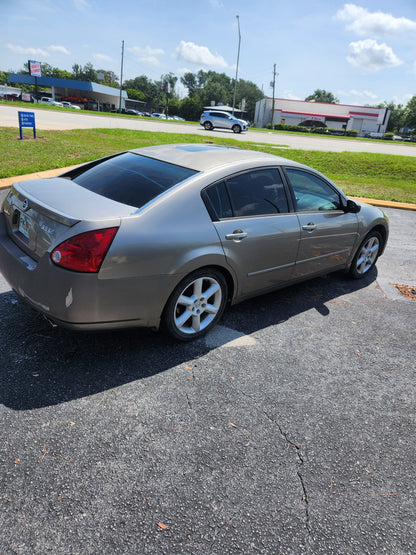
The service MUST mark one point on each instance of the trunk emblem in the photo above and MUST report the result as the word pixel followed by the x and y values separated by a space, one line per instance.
pixel 25 205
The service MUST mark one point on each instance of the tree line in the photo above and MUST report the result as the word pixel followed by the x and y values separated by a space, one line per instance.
pixel 203 88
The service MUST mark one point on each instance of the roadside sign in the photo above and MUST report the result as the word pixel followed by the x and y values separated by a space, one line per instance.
pixel 27 119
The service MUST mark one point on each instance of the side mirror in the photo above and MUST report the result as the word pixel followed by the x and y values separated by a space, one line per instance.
pixel 352 207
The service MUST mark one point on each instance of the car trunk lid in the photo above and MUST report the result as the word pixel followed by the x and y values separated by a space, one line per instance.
pixel 39 212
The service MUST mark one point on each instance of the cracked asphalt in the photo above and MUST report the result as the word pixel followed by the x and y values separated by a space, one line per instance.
pixel 289 429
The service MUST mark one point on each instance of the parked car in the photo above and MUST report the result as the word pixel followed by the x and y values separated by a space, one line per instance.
pixel 69 105
pixel 132 112
pixel 211 119
pixel 50 101
pixel 78 99
pixel 158 115
pixel 168 235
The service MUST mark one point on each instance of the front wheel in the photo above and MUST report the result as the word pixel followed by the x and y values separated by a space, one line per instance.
pixel 366 255
pixel 236 128
pixel 195 305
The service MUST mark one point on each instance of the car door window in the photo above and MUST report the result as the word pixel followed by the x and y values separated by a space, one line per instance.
pixel 257 193
pixel 312 193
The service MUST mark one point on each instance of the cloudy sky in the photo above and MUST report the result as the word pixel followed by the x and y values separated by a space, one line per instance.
pixel 364 51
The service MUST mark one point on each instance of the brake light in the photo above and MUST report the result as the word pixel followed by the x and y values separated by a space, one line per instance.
pixel 84 252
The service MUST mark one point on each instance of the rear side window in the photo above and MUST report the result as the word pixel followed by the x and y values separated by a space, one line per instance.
pixel 132 179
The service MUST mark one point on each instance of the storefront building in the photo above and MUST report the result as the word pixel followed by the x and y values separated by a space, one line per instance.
pixel 364 119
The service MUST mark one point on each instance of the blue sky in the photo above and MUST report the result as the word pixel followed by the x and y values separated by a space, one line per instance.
pixel 364 52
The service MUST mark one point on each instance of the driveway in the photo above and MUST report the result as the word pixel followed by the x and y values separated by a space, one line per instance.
pixel 59 120
pixel 289 429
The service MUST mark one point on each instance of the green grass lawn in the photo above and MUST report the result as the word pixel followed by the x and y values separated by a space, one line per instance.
pixel 379 176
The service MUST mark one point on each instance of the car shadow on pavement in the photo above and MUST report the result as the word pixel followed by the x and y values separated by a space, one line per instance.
pixel 41 366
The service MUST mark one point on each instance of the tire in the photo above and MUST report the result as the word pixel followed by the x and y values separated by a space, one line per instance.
pixel 208 126
pixel 196 305
pixel 236 128
pixel 366 255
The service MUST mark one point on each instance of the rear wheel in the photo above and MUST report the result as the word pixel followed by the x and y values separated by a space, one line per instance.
pixel 236 128
pixel 195 305
pixel 208 125
pixel 366 255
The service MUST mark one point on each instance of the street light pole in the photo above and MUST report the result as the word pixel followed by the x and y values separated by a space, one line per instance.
pixel 121 76
pixel 238 58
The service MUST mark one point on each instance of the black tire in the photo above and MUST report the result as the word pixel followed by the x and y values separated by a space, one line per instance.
pixel 236 128
pixel 366 255
pixel 208 126
pixel 196 305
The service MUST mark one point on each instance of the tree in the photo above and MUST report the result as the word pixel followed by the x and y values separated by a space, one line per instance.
pixel 397 115
pixel 410 113
pixel 320 95
pixel 248 91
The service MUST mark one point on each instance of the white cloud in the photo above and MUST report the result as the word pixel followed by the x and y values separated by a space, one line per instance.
pixel 102 58
pixel 146 55
pixel 377 24
pixel 81 5
pixel 192 53
pixel 29 51
pixel 358 97
pixel 61 49
pixel 371 55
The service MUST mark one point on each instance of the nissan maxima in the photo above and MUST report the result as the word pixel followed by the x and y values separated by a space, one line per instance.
pixel 166 236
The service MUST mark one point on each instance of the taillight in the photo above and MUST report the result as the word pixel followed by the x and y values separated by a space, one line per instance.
pixel 84 252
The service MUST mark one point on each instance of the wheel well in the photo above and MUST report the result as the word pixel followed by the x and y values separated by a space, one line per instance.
pixel 382 230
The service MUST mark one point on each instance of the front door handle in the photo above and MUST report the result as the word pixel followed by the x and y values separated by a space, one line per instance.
pixel 309 227
pixel 236 235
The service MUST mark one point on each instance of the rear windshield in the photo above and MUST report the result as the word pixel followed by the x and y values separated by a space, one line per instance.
pixel 131 178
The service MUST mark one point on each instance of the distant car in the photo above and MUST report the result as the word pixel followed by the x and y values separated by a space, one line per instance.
pixel 11 97
pixel 78 99
pixel 132 112
pixel 69 105
pixel 50 101
pixel 168 235
pixel 158 115
pixel 211 119
pixel 397 138
pixel 177 118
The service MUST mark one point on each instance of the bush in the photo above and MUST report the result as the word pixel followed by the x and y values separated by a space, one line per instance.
pixel 321 130
pixel 286 127
pixel 388 136
pixel 352 133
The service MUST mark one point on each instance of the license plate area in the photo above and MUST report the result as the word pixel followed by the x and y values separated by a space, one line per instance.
pixel 25 224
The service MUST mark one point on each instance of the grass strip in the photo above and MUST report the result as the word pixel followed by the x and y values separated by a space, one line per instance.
pixel 379 176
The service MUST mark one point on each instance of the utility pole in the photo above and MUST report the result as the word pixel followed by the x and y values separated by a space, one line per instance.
pixel 121 74
pixel 273 83
pixel 238 58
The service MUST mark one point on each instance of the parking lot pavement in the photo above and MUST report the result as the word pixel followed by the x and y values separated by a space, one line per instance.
pixel 289 429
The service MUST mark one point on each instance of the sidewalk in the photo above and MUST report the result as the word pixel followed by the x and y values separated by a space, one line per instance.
pixel 8 181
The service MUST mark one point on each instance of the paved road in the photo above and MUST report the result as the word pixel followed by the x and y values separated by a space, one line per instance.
pixel 58 119
pixel 289 429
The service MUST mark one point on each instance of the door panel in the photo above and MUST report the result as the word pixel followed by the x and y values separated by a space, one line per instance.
pixel 261 250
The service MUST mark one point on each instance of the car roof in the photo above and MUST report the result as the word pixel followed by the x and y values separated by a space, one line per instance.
pixel 203 157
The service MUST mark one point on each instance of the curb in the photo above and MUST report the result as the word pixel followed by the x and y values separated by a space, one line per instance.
pixel 8 181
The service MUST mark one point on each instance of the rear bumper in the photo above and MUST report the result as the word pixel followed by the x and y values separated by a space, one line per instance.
pixel 82 301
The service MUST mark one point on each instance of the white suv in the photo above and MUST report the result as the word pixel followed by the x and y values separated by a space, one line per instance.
pixel 215 118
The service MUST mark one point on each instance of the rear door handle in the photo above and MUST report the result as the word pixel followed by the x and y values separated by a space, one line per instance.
pixel 236 235
pixel 309 227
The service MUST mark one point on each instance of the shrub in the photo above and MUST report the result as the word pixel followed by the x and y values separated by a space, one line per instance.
pixel 388 136
pixel 286 127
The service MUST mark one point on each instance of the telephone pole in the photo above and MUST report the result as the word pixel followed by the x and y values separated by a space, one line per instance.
pixel 273 83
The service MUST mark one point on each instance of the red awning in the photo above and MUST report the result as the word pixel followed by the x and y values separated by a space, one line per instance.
pixel 306 114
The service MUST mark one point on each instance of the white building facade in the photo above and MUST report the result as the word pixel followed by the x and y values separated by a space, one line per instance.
pixel 364 119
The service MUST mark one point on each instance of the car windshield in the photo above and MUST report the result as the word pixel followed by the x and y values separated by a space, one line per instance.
pixel 131 178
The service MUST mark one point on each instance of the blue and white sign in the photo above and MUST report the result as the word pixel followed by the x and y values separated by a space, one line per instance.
pixel 27 119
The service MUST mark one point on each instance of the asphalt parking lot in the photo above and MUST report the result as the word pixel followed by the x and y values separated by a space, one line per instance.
pixel 288 429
